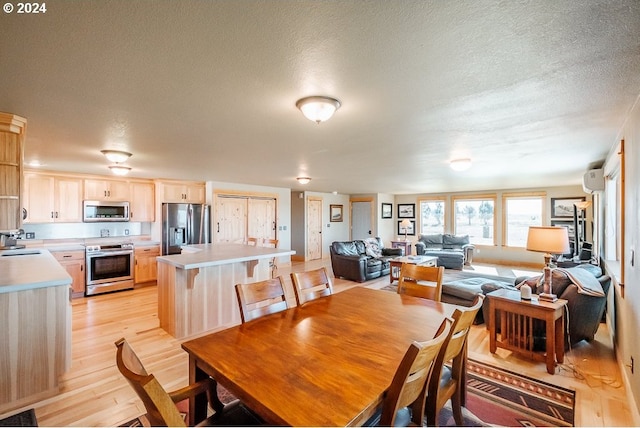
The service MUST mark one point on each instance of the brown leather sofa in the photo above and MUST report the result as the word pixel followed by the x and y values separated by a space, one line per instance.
pixel 351 260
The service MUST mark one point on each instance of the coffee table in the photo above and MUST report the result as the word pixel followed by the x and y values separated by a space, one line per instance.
pixel 396 264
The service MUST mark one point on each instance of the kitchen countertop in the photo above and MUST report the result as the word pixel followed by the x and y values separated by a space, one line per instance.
pixel 203 255
pixel 30 271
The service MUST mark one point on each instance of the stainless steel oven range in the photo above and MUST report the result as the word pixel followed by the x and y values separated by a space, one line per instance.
pixel 109 267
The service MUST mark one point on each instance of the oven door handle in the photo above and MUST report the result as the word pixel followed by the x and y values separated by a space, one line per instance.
pixel 109 253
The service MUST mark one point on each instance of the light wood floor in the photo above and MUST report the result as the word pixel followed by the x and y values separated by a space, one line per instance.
pixel 93 392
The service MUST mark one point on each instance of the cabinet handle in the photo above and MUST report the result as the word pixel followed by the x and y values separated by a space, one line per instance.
pixel 105 193
pixel 66 256
pixel 109 192
pixel 51 214
pixel 81 268
pixel 56 214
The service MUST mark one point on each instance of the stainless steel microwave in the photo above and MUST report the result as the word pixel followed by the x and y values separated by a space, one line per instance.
pixel 105 211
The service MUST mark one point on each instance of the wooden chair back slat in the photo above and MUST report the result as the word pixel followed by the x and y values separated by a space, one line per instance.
pixel 311 285
pixel 261 298
pixel 421 281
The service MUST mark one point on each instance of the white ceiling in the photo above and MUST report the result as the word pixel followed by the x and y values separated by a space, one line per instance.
pixel 534 93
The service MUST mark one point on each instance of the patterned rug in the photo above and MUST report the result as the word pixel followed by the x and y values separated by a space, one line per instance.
pixel 26 418
pixel 502 397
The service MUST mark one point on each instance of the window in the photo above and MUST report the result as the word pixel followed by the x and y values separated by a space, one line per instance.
pixel 432 215
pixel 520 212
pixel 475 217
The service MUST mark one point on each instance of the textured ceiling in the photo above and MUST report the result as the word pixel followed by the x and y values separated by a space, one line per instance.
pixel 534 93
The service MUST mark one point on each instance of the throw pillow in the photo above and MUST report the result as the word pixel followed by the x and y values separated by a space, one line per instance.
pixel 372 247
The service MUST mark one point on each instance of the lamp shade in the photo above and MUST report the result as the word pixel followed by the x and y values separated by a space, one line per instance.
pixel 405 223
pixel 548 239
pixel 318 108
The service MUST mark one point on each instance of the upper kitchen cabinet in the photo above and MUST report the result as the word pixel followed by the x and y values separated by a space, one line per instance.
pixel 106 190
pixel 191 192
pixel 51 198
pixel 142 201
pixel 12 133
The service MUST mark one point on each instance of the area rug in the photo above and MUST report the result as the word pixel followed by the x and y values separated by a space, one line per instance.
pixel 501 397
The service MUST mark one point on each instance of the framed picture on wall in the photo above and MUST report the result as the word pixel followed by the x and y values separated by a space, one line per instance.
pixel 406 210
pixel 410 230
pixel 335 212
pixel 563 207
pixel 387 210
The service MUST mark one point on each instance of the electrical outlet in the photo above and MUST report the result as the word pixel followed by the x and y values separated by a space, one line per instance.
pixel 30 235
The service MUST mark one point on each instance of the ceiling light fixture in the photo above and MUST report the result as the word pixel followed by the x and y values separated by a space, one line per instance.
pixel 460 164
pixel 318 108
pixel 303 180
pixel 119 169
pixel 116 156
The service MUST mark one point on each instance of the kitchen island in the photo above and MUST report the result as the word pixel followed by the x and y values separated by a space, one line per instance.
pixel 36 326
pixel 196 289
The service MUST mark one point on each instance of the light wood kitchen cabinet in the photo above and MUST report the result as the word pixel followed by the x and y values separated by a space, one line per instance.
pixel 52 199
pixel 74 263
pixel 142 201
pixel 106 190
pixel 12 133
pixel 146 267
pixel 185 192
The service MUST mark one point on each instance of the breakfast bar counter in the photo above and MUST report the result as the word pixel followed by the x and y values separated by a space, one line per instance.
pixel 196 289
pixel 36 326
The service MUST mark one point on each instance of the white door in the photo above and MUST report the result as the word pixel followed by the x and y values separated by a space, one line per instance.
pixel 360 220
pixel 314 229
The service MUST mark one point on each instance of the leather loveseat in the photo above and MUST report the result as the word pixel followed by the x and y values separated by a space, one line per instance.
pixel 361 260
pixel 586 298
pixel 453 251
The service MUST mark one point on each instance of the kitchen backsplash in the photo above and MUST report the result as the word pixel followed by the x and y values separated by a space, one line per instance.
pixel 86 230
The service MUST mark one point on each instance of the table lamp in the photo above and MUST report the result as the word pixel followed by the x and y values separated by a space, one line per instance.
pixel 548 240
pixel 405 224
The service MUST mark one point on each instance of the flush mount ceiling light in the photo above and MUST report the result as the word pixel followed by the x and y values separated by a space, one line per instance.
pixel 116 156
pixel 318 108
pixel 460 164
pixel 119 169
pixel 303 180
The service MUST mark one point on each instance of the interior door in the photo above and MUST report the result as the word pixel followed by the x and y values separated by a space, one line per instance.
pixel 314 229
pixel 360 219
pixel 261 218
pixel 231 220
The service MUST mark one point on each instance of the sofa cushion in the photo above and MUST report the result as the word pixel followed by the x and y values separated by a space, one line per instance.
pixel 432 241
pixel 372 247
pixel 360 247
pixel 596 271
pixel 452 241
pixel 346 248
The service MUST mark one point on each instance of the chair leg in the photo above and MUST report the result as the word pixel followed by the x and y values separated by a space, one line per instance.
pixel 456 407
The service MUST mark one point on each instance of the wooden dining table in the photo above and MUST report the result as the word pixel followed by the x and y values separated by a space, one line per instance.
pixel 325 363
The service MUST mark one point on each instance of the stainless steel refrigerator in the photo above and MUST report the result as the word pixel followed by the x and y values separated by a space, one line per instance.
pixel 184 224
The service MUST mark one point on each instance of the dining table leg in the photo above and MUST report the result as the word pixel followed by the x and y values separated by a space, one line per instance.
pixel 198 406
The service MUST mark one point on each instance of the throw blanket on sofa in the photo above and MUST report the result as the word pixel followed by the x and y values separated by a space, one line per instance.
pixel 584 280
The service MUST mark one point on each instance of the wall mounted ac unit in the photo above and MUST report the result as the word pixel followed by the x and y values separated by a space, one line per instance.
pixel 593 180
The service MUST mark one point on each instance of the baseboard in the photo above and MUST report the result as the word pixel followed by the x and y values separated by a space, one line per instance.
pixel 633 405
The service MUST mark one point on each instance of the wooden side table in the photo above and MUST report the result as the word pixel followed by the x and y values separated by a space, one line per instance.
pixel 402 244
pixel 516 325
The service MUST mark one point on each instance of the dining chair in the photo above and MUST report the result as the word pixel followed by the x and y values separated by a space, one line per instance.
pixel 311 285
pixel 273 267
pixel 421 281
pixel 261 298
pixel 161 405
pixel 450 382
pixel 404 401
